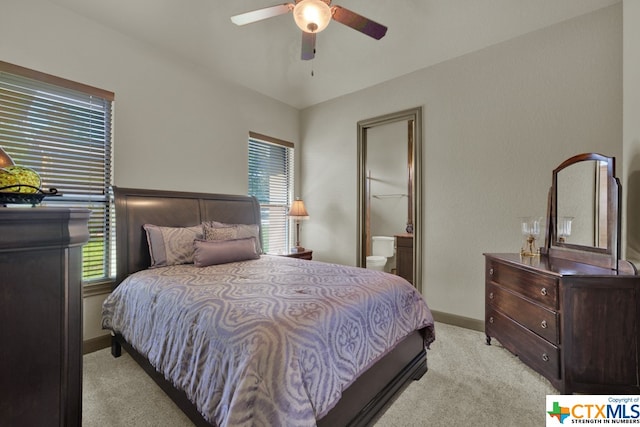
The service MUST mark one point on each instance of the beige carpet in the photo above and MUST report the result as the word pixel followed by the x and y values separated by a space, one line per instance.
pixel 468 384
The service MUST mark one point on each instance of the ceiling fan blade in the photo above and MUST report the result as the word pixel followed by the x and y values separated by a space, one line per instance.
pixel 358 22
pixel 308 45
pixel 260 14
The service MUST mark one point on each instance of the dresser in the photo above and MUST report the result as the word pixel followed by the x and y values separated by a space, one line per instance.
pixel 575 324
pixel 41 315
pixel 404 256
pixel 572 311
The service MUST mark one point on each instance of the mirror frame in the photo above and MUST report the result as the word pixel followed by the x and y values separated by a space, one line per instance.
pixel 415 183
pixel 604 257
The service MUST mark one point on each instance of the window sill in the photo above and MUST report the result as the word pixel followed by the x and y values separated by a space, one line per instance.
pixel 101 287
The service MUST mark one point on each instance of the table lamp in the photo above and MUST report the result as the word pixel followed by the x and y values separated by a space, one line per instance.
pixel 298 213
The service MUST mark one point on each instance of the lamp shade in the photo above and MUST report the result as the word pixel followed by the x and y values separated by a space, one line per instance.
pixel 312 16
pixel 5 159
pixel 297 210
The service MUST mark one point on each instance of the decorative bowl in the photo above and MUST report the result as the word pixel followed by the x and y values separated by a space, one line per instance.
pixel 7 198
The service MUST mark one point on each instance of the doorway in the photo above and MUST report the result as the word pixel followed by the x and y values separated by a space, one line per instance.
pixel 389 202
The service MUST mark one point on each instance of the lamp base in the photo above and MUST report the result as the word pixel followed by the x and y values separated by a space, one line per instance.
pixel 297 249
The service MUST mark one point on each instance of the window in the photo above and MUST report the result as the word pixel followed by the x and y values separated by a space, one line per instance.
pixel 62 130
pixel 271 182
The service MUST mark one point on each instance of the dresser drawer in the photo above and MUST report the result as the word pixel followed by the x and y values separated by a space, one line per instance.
pixel 539 287
pixel 533 350
pixel 537 318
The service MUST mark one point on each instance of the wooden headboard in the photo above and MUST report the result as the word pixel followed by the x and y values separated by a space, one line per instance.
pixel 136 207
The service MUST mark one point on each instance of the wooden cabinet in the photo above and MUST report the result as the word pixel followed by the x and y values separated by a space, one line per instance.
pixel 576 324
pixel 41 316
pixel 404 256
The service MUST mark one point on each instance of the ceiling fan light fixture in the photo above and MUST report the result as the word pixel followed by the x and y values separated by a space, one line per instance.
pixel 312 16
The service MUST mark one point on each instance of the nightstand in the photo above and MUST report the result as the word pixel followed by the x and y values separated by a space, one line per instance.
pixel 306 254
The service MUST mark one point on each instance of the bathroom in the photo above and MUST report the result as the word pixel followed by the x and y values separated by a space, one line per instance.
pixel 387 171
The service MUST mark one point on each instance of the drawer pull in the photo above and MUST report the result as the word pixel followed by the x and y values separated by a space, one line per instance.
pixel 491 271
pixel 543 291
pixel 491 319
pixel 490 295
pixel 543 324
pixel 545 357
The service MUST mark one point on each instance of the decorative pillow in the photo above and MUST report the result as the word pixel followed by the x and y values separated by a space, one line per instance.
pixel 171 245
pixel 213 230
pixel 224 233
pixel 212 252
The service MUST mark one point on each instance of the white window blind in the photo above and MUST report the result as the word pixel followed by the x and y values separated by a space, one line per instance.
pixel 62 130
pixel 271 182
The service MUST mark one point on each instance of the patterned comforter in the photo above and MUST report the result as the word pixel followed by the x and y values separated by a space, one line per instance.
pixel 271 341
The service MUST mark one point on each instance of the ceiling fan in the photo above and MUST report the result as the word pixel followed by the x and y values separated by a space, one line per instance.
pixel 313 16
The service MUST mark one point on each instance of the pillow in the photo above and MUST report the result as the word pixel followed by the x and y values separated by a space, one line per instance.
pixel 171 245
pixel 212 252
pixel 213 230
pixel 223 233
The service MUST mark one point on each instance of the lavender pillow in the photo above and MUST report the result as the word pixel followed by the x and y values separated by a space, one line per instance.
pixel 222 233
pixel 171 245
pixel 213 230
pixel 212 252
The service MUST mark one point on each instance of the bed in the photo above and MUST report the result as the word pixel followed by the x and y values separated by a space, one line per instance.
pixel 294 375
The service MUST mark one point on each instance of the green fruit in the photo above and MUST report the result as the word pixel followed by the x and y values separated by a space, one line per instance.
pixel 24 176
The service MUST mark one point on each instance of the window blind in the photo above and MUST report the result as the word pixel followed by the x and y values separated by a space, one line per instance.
pixel 62 130
pixel 271 166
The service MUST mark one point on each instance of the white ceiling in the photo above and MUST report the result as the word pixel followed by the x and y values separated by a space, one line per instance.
pixel 265 56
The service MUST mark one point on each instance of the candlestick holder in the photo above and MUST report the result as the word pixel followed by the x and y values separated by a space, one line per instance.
pixel 530 228
pixel 564 228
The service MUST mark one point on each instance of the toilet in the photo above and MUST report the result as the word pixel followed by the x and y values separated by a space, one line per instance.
pixel 382 247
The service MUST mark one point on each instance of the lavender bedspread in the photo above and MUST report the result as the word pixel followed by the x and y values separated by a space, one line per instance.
pixel 272 341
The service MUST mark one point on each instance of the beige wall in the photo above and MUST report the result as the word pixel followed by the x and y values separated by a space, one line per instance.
pixel 175 126
pixel 496 123
pixel 631 129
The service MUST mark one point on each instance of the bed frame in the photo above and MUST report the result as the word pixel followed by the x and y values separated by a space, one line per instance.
pixel 360 402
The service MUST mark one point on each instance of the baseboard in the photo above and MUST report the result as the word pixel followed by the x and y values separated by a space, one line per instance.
pixel 455 320
pixel 95 344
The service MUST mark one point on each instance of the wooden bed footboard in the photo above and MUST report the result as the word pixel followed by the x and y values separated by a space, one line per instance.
pixel 360 402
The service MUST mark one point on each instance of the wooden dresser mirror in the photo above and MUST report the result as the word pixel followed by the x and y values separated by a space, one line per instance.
pixel 572 312
pixel 584 217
